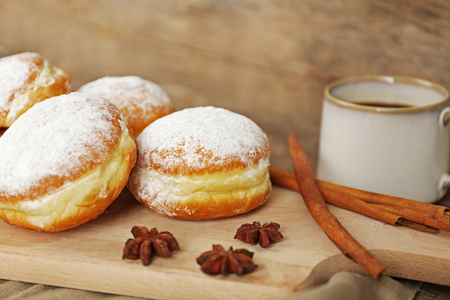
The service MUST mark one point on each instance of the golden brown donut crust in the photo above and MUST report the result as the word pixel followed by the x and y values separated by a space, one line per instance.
pixel 91 159
pixel 81 179
pixel 206 206
pixel 26 79
pixel 195 168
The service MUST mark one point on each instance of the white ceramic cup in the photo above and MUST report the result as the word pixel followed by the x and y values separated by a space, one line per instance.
pixel 386 134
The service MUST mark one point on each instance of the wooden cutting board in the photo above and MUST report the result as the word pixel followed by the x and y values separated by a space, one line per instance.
pixel 90 256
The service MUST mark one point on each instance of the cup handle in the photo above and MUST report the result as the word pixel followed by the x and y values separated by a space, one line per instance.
pixel 444 183
pixel 444 117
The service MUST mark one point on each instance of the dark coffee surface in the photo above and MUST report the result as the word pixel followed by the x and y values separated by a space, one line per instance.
pixel 384 105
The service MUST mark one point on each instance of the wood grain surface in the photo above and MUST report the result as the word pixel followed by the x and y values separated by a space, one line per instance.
pixel 90 256
pixel 269 60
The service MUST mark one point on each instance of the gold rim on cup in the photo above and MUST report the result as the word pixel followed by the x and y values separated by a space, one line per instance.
pixel 387 79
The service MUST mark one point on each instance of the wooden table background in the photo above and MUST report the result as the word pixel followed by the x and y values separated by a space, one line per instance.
pixel 268 60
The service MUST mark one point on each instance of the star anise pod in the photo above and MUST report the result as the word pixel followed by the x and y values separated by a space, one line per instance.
pixel 255 233
pixel 146 243
pixel 219 261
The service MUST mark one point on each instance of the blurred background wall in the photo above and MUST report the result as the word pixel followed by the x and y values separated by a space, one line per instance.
pixel 268 60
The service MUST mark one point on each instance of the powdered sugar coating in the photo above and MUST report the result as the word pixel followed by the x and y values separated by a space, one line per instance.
pixel 202 139
pixel 16 71
pixel 140 101
pixel 56 140
pixel 127 90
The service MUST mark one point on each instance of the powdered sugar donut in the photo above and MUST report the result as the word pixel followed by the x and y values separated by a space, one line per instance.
pixel 202 163
pixel 139 100
pixel 63 162
pixel 26 79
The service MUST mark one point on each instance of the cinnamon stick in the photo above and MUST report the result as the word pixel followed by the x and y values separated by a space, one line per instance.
pixel 425 213
pixel 375 211
pixel 283 178
pixel 337 195
pixel 323 217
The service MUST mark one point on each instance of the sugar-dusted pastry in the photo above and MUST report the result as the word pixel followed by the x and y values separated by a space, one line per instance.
pixel 63 162
pixel 26 79
pixel 202 163
pixel 139 100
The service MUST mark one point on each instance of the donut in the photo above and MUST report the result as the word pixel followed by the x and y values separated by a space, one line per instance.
pixel 63 162
pixel 140 101
pixel 201 163
pixel 26 79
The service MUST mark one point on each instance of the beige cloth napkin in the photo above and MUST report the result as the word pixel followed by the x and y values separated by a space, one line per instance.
pixel 343 285
pixel 352 286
